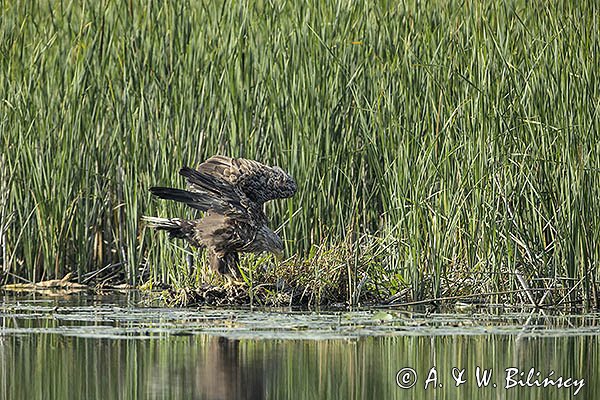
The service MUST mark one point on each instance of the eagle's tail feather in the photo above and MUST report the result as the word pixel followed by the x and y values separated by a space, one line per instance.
pixel 177 228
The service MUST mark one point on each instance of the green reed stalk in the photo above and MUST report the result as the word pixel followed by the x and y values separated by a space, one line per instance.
pixel 462 140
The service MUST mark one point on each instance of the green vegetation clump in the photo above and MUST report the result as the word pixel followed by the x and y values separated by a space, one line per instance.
pixel 442 149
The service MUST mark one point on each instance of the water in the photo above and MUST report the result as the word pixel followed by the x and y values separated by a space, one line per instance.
pixel 91 347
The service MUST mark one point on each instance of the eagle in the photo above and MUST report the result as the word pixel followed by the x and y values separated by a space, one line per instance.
pixel 231 192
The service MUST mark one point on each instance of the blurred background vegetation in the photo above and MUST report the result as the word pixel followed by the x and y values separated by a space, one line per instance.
pixel 441 148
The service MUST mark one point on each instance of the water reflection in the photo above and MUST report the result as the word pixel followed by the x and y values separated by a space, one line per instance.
pixel 151 357
pixel 219 369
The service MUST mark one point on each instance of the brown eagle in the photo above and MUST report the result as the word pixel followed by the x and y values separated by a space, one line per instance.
pixel 231 192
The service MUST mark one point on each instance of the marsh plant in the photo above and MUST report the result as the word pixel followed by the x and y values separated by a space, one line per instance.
pixel 441 149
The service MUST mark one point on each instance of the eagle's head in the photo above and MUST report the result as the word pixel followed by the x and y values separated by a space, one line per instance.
pixel 270 241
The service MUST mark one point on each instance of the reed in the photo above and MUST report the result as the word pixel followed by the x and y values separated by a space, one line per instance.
pixel 441 144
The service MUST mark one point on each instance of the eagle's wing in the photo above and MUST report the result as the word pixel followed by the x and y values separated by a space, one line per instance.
pixel 208 193
pixel 258 182
pixel 200 200
pixel 229 225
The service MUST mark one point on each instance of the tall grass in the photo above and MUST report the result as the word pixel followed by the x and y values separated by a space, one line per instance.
pixel 445 143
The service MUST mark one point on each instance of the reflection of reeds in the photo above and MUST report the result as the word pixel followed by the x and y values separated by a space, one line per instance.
pixel 174 366
pixel 438 148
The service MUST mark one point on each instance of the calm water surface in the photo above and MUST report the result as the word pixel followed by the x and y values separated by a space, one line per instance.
pixel 91 347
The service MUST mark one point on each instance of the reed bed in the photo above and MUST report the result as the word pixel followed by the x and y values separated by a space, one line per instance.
pixel 440 148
